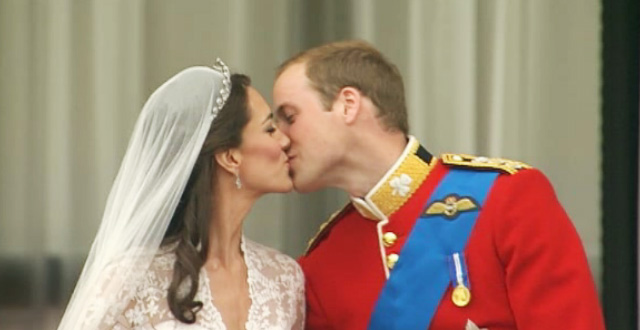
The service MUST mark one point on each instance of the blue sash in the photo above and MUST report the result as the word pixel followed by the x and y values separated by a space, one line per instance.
pixel 421 276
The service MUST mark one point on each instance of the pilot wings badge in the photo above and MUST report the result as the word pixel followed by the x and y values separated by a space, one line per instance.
pixel 451 206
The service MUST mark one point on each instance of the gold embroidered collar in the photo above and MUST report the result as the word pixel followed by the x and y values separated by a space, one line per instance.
pixel 398 184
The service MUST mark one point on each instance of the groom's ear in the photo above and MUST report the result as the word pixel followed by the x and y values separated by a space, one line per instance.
pixel 350 99
pixel 229 160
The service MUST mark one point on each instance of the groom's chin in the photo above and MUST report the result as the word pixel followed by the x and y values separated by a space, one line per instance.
pixel 305 183
pixel 297 186
pixel 297 189
pixel 303 187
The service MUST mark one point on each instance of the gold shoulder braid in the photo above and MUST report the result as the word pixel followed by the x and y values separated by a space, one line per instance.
pixel 325 226
pixel 504 165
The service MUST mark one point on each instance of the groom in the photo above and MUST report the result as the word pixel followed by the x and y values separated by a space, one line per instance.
pixel 446 242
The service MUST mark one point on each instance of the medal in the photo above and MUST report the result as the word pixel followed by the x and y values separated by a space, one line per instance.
pixel 461 295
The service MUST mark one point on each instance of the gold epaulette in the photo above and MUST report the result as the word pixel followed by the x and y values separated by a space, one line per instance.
pixel 324 228
pixel 504 165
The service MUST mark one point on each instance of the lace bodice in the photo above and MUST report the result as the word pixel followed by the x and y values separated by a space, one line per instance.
pixel 276 288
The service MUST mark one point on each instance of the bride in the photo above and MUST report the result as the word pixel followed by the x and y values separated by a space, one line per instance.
pixel 170 253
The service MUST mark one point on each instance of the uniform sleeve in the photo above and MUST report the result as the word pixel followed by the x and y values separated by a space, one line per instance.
pixel 548 280
pixel 315 316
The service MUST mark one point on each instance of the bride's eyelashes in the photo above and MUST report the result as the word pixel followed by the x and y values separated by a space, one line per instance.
pixel 270 129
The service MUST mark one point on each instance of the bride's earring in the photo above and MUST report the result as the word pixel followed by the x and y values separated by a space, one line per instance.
pixel 238 182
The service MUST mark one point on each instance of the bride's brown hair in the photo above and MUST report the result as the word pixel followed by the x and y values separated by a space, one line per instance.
pixel 189 226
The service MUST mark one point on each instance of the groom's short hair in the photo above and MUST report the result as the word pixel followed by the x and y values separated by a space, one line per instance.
pixel 333 66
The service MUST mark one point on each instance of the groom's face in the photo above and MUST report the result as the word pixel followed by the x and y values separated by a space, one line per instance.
pixel 314 131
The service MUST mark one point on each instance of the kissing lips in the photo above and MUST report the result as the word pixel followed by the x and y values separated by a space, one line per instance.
pixel 290 165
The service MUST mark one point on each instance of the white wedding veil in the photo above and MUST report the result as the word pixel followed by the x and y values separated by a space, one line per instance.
pixel 164 146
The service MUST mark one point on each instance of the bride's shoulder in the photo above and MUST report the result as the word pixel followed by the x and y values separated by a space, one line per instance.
pixel 265 256
pixel 163 259
pixel 144 259
pixel 139 268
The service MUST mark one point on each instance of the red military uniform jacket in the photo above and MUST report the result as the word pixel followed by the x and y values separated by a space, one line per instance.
pixel 527 268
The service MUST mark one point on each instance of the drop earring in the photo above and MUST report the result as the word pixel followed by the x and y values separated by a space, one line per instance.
pixel 238 182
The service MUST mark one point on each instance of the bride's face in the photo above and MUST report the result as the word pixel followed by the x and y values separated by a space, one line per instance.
pixel 264 167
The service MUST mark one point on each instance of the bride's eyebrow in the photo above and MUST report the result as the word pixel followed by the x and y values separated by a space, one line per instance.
pixel 270 116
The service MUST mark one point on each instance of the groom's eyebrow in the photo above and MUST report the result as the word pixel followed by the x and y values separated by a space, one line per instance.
pixel 279 112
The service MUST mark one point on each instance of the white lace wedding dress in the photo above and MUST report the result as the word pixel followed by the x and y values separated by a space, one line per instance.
pixel 276 288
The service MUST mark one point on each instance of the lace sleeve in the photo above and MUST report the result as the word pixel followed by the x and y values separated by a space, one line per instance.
pixel 125 294
pixel 112 294
pixel 300 300
pixel 146 299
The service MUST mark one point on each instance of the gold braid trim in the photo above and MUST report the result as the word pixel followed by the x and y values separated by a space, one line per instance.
pixel 324 228
pixel 503 165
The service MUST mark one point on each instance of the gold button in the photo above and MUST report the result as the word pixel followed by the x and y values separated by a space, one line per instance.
pixel 391 260
pixel 389 238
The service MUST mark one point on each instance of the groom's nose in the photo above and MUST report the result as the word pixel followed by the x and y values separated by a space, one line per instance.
pixel 284 141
